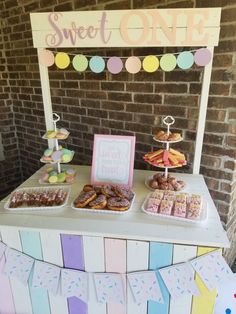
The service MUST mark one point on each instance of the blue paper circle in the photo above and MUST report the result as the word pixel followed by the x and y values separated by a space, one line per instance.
pixel 228 311
pixel 185 60
pixel 97 64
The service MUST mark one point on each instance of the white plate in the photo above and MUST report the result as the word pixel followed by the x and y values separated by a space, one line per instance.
pixel 104 211
pixel 202 219
pixel 38 189
pixel 170 142
pixel 55 162
pixel 55 138
pixel 151 189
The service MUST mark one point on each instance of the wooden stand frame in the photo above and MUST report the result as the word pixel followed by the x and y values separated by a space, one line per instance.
pixel 173 27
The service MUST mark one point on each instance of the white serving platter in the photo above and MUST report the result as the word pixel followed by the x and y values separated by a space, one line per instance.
pixel 202 219
pixel 104 211
pixel 38 189
pixel 170 142
pixel 55 162
pixel 55 138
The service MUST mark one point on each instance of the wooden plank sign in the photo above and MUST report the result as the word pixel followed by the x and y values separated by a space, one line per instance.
pixel 127 28
pixel 113 159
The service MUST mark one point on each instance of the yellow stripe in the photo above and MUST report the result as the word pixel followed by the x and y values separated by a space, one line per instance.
pixel 203 304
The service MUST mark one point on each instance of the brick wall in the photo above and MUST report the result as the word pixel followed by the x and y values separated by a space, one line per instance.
pixel 126 104
pixel 10 171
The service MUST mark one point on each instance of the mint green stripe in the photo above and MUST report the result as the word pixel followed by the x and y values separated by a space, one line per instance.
pixel 31 245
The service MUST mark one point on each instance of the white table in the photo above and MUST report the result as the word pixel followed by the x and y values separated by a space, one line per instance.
pixel 133 225
pixel 106 242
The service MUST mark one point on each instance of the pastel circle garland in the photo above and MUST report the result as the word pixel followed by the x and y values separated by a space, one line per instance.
pixel 62 60
pixel 114 65
pixel 150 64
pixel 80 63
pixel 168 62
pixel 97 64
pixel 202 56
pixel 133 65
pixel 185 60
pixel 46 58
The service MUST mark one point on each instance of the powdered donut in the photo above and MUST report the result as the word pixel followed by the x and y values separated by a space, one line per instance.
pixel 99 203
pixel 118 203
pixel 84 198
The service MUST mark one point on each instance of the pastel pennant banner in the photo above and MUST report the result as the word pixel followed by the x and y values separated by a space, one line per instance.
pixel 212 268
pixel 145 287
pixel 226 297
pixel 133 64
pixel 46 276
pixel 74 283
pixel 18 265
pixel 109 288
pixel 179 280
pixel 3 248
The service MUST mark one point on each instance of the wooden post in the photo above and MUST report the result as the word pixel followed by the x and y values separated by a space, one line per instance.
pixel 202 114
pixel 47 103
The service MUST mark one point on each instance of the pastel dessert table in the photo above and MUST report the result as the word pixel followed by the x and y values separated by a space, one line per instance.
pixel 106 242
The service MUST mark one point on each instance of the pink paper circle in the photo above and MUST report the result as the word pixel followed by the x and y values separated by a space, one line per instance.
pixel 202 56
pixel 133 65
pixel 46 58
pixel 114 65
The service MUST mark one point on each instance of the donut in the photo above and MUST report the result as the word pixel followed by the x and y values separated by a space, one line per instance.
pixel 118 203
pixel 107 190
pixel 123 192
pixel 162 179
pixel 99 203
pixel 84 198
pixel 153 184
pixel 97 189
pixel 157 176
pixel 88 188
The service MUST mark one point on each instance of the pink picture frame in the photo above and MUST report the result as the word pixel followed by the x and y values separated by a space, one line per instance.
pixel 113 159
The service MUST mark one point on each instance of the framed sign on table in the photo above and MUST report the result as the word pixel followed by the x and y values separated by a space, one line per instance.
pixel 113 159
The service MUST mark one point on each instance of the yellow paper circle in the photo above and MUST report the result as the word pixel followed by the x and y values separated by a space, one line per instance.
pixel 62 60
pixel 168 62
pixel 150 64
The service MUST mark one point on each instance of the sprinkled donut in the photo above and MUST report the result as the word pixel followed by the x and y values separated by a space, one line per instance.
pixel 99 203
pixel 84 198
pixel 118 203
pixel 123 192
pixel 107 190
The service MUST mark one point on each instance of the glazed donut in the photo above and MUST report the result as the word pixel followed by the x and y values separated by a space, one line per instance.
pixel 88 187
pixel 84 198
pixel 162 179
pixel 118 203
pixel 157 176
pixel 123 192
pixel 99 203
pixel 172 180
pixel 107 190
pixel 153 184
pixel 97 189
pixel 164 186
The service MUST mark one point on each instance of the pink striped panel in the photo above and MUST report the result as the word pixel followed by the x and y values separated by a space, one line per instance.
pixel 6 299
pixel 115 261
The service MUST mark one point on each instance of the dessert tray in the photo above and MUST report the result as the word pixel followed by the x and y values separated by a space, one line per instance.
pixel 101 196
pixel 105 210
pixel 51 198
pixel 150 178
pixel 170 142
pixel 202 218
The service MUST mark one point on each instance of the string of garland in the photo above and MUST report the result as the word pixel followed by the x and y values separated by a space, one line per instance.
pixel 133 64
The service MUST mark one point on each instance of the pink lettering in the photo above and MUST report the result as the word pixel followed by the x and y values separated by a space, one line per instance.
pixel 105 37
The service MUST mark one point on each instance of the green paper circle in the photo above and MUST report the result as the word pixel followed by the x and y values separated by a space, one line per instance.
pixel 80 63
pixel 168 62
